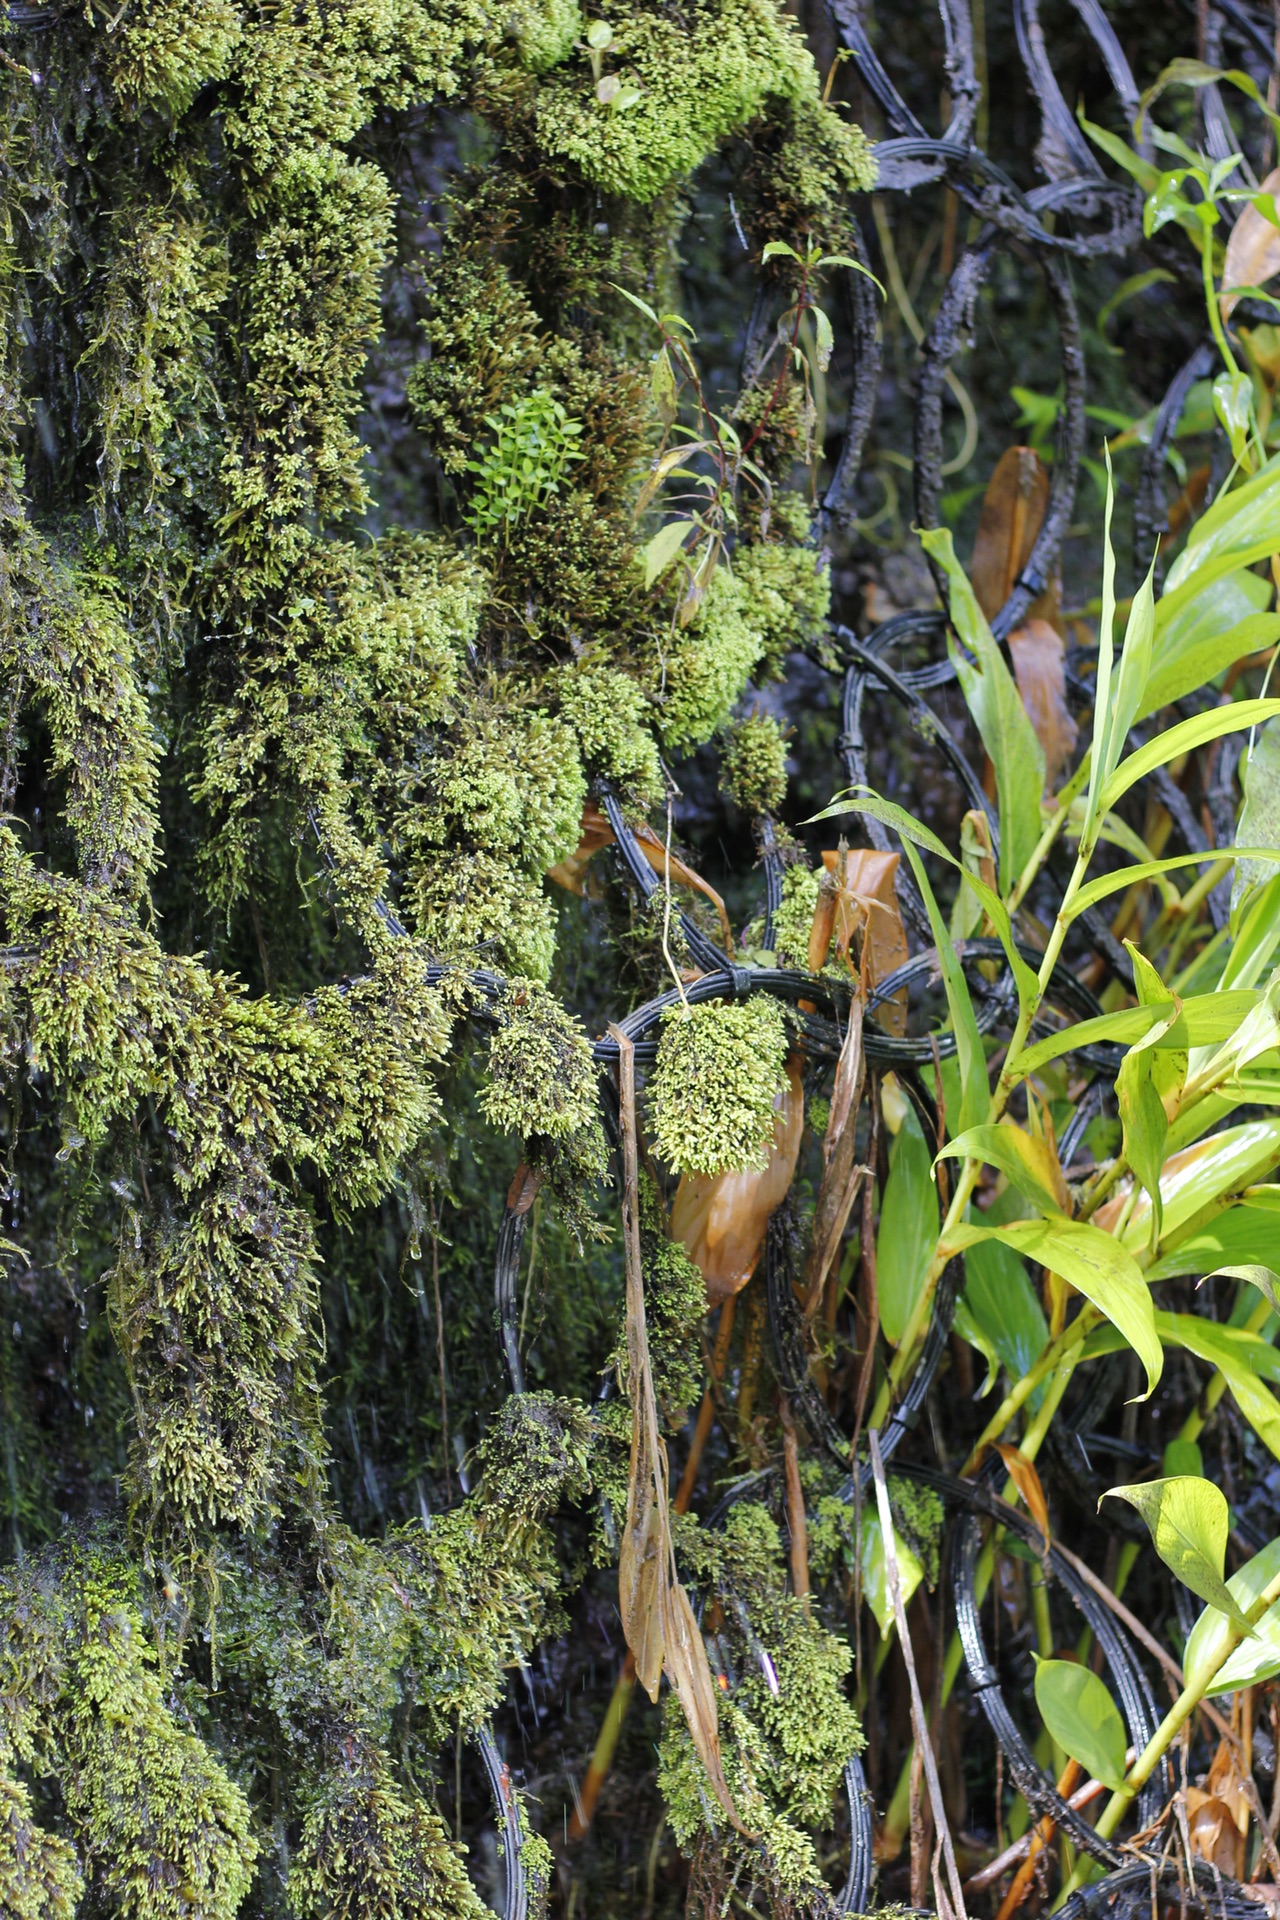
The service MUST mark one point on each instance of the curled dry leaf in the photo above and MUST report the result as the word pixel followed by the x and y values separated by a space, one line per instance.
pixel 720 1219
pixel 1212 1834
pixel 1038 653
pixel 841 1177
pixel 1253 249
pixel 867 923
pixel 596 833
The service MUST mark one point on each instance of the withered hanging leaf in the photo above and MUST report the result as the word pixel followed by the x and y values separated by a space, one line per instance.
pixel 1013 511
pixel 720 1219
pixel 841 1178
pixel 657 1619
pixel 1253 249
pixel 1038 652
pixel 597 833
pixel 868 928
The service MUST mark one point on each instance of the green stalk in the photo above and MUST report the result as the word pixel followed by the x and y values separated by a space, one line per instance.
pixel 1167 1732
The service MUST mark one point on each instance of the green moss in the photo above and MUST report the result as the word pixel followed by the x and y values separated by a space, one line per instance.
pixel 788 590
pixel 371 1850
pixel 546 31
pixel 694 81
pixel 159 53
pixel 40 1878
pixel 163 1833
pixel 541 1075
pixel 718 1074
pixel 784 1749
pixel 675 1300
pixel 754 767
pixel 793 921
pixel 607 710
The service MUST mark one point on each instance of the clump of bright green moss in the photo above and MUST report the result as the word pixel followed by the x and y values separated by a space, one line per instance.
pixel 754 768
pixel 713 1091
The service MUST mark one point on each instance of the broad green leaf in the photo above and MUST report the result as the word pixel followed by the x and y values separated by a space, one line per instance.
pixel 1259 824
pixel 1174 741
pixel 1236 531
pixel 1233 404
pixel 908 1228
pixel 1096 1265
pixel 1255 934
pixel 1000 1314
pixel 1004 724
pixel 1199 1178
pixel 1255 1659
pixel 1125 877
pixel 663 548
pixel 1189 1521
pixel 1145 1122
pixel 875 1578
pixel 1135 667
pixel 1032 1165
pixel 1083 1719
pixel 1205 1020
pixel 1241 1358
pixel 1245 1234
pixel 1205 635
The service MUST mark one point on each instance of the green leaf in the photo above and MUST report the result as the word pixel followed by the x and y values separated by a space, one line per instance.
pixel 1237 1357
pixel 1237 530
pixel 1000 1314
pixel 1259 823
pixel 908 1228
pixel 1233 404
pixel 1099 771
pixel 1189 1521
pixel 1197 1180
pixel 1031 1164
pixel 1255 1659
pixel 1222 622
pixel 772 248
pixel 1243 1234
pixel 666 543
pixel 1205 1019
pixel 1096 1265
pixel 975 1096
pixel 996 705
pixel 875 1579
pixel 1082 1718
pixel 824 338
pixel 1183 738
pixel 1263 1278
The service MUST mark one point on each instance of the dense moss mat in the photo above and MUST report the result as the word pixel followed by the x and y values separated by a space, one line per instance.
pixel 299 712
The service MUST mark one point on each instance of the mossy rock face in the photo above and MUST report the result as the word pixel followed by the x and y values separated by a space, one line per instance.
pixel 324 429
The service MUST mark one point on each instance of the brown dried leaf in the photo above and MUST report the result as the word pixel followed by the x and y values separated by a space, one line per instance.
pixel 1012 515
pixel 1213 1836
pixel 841 1179
pixel 1027 1481
pixel 720 1219
pixel 868 923
pixel 689 1672
pixel 1038 653
pixel 1253 249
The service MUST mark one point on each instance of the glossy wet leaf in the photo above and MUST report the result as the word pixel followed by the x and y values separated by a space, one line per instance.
pixel 1032 1165
pixel 908 1229
pixel 1199 1177
pixel 875 1579
pixel 1243 1235
pixel 999 1312
pixel 1255 1659
pixel 1263 1278
pixel 1025 1478
pixel 1189 1520
pixel 1095 1264
pixel 991 693
pixel 1242 1359
pixel 1082 1718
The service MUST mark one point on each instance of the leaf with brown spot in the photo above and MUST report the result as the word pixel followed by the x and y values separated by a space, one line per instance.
pixel 1253 249
pixel 720 1218
pixel 1013 511
pixel 1025 1478
pixel 1038 652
